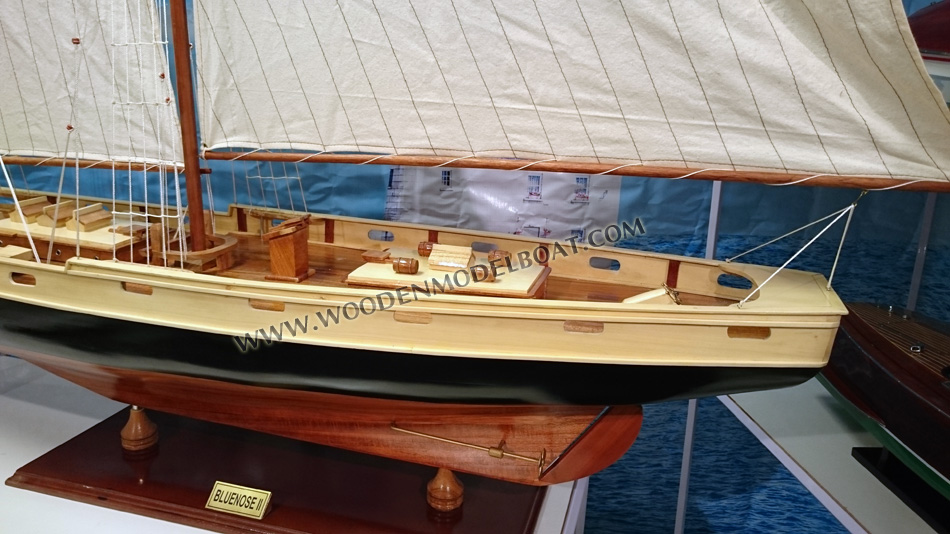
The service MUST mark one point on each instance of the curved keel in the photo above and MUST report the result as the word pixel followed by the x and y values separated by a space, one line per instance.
pixel 576 441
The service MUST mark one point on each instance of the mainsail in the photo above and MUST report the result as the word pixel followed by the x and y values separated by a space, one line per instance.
pixel 801 86
pixel 86 79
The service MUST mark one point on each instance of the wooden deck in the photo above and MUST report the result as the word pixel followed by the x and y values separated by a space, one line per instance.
pixel 333 263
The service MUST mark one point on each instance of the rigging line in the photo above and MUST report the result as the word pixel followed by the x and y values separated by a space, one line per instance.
pixel 303 160
pixel 303 196
pixel 620 167
pixel 91 165
pixel 290 194
pixel 77 207
pixel 44 161
pixel 849 209
pixel 533 163
pixel 847 224
pixel 273 184
pixel 243 154
pixel 697 172
pixel 826 217
pixel 367 162
pixel 81 33
pixel 211 202
pixel 798 181
pixel 59 198
pixel 452 161
pixel 19 210
pixel 62 174
pixel 896 186
pixel 112 117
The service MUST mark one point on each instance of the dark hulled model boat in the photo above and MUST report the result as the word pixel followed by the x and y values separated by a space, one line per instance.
pixel 134 301
pixel 894 366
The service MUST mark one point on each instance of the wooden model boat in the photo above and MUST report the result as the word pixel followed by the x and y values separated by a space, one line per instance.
pixel 893 366
pixel 306 325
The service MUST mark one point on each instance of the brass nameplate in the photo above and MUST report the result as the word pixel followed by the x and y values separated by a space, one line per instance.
pixel 238 500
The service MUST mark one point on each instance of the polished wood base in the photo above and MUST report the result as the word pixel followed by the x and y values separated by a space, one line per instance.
pixel 315 488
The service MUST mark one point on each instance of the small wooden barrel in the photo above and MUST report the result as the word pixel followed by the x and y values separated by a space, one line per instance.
pixel 406 265
pixel 425 248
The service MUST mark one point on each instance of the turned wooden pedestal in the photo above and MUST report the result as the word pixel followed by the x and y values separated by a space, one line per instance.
pixel 139 433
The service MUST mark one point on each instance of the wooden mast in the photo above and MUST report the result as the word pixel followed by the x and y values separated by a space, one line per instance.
pixel 189 130
pixel 726 175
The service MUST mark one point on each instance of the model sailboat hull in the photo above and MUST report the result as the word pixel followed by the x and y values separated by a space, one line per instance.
pixel 892 366
pixel 556 378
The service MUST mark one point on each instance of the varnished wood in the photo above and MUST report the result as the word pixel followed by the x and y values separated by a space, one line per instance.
pixel 89 218
pixel 139 433
pixel 444 492
pixel 141 289
pixel 874 367
pixel 904 333
pixel 585 327
pixel 425 248
pixel 364 424
pixel 186 115
pixel 268 305
pixel 597 444
pixel 749 332
pixel 61 212
pixel 450 257
pixel 412 317
pixel 287 243
pixel 30 209
pixel 314 488
pixel 331 264
pixel 850 181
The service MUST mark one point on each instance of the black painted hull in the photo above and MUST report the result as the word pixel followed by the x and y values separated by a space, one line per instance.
pixel 143 347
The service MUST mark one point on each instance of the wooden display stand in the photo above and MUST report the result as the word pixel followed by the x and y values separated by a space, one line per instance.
pixel 314 488
pixel 288 250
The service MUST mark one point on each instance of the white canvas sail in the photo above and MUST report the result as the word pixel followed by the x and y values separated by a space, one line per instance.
pixel 86 79
pixel 784 86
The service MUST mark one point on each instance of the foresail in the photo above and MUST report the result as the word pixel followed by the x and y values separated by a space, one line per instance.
pixel 787 86
pixel 86 79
